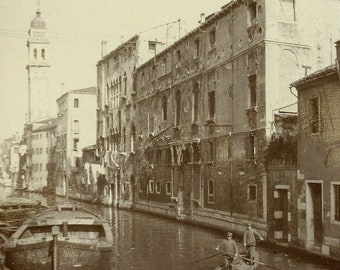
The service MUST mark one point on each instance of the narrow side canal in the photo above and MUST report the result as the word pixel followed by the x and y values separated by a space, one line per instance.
pixel 148 242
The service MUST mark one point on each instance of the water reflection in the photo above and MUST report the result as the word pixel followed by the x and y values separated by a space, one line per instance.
pixel 147 242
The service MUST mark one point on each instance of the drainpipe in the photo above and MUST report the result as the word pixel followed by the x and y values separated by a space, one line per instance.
pixel 232 126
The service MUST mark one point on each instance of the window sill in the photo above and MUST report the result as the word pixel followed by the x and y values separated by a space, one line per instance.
pixel 197 203
pixel 213 49
pixel 194 123
pixel 194 163
pixel 209 162
pixel 252 109
pixel 174 199
pixel 335 222
pixel 315 134
pixel 211 121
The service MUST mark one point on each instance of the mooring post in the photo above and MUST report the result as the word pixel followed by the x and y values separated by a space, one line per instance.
pixel 55 232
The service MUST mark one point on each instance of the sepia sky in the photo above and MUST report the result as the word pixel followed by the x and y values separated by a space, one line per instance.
pixel 76 29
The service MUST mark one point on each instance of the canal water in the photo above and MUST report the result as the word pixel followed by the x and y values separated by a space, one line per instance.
pixel 147 242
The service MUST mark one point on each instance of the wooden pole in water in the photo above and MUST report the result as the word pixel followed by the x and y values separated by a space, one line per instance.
pixel 55 232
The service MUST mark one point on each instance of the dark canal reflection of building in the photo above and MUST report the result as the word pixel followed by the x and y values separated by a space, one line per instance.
pixel 147 242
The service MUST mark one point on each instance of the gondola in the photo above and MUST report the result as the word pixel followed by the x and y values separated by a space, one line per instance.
pixel 242 263
pixel 62 237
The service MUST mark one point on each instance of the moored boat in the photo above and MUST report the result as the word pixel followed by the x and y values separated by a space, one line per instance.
pixel 15 210
pixel 63 237
pixel 3 240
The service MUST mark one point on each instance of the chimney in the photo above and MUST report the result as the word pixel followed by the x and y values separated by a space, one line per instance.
pixel 337 60
pixel 202 18
pixel 104 45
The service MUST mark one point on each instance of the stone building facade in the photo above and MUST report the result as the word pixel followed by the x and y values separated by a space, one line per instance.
pixel 204 112
pixel 43 140
pixel 318 182
pixel 116 133
pixel 192 134
pixel 38 142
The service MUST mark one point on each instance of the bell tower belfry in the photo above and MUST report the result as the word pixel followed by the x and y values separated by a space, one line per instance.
pixel 38 70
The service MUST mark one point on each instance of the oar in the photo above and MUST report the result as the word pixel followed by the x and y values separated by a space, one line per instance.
pixel 266 265
pixel 205 258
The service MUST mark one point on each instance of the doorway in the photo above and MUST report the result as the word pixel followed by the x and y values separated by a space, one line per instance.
pixel 314 214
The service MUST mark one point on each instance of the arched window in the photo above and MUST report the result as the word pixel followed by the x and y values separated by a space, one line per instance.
pixel 43 54
pixel 107 94
pixel 124 138
pixel 195 93
pixel 133 137
pixel 178 108
pixel 35 53
pixel 164 108
pixel 125 82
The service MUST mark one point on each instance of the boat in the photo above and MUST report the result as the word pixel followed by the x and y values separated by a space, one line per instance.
pixel 7 229
pixel 15 210
pixel 242 263
pixel 63 237
pixel 3 240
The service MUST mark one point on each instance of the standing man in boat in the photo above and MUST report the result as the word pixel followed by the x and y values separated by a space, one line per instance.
pixel 229 250
pixel 249 240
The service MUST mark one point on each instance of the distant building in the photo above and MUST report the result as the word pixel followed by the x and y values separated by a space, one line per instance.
pixel 39 93
pixel 9 160
pixel 5 149
pixel 318 180
pixel 39 139
pixel 40 125
pixel 76 130
pixel 14 161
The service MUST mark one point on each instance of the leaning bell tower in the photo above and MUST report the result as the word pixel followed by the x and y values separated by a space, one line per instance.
pixel 38 70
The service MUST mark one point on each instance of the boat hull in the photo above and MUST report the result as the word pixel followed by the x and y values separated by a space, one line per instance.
pixel 69 256
pixel 236 267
